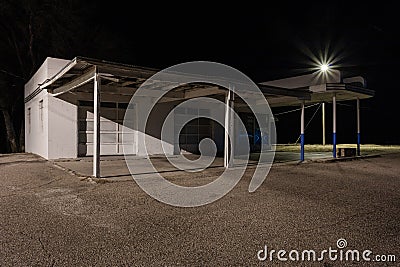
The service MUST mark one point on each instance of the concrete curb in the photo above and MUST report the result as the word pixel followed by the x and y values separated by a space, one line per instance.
pixel 94 180
pixel 80 176
pixel 88 178
pixel 328 160
pixel 348 158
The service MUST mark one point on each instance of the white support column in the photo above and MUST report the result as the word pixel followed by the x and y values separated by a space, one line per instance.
pixel 302 133
pixel 334 126
pixel 228 128
pixel 96 125
pixel 232 127
pixel 323 123
pixel 176 149
pixel 136 129
pixel 358 129
pixel 269 118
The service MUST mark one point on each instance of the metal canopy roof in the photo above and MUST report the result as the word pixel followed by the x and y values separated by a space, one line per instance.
pixel 116 76
pixel 80 67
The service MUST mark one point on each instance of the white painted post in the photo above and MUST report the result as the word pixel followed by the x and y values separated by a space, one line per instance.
pixel 227 127
pixel 136 129
pixel 231 126
pixel 96 125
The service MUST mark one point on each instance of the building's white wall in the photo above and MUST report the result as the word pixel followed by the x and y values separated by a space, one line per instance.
pixel 37 133
pixel 56 135
pixel 39 77
pixel 36 130
pixel 54 65
pixel 63 129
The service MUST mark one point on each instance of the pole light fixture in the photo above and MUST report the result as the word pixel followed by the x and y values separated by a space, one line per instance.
pixel 324 67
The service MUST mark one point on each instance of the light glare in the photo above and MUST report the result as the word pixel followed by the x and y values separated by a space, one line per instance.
pixel 324 67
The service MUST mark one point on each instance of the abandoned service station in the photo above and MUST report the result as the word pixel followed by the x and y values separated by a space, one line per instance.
pixel 75 108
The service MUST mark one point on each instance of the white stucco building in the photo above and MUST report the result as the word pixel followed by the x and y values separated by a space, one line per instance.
pixel 75 108
pixel 48 118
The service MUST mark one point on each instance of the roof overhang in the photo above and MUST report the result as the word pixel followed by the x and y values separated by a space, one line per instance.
pixel 81 70
pixel 117 76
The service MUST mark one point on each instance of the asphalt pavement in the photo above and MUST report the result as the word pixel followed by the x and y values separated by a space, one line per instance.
pixel 50 217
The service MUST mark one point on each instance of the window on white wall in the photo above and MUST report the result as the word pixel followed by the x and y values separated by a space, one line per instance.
pixel 29 120
pixel 41 114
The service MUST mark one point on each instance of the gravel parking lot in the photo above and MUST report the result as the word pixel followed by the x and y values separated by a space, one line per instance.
pixel 52 218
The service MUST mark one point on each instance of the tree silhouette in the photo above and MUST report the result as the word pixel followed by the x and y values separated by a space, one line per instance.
pixel 32 30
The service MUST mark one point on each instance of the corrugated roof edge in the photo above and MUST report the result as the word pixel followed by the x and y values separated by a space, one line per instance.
pixel 116 64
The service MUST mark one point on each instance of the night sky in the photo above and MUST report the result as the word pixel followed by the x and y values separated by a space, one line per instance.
pixel 272 41
pixel 265 42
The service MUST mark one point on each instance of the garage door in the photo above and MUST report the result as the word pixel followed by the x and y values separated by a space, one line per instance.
pixel 193 131
pixel 111 124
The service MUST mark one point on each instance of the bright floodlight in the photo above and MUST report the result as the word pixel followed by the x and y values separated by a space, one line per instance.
pixel 324 67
